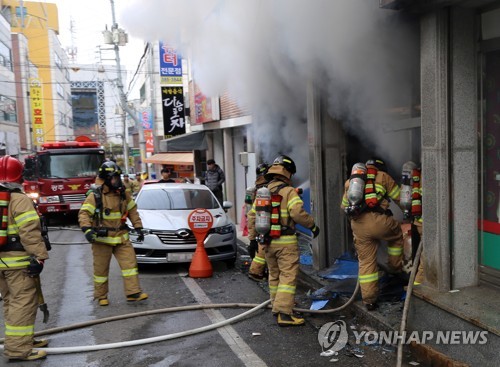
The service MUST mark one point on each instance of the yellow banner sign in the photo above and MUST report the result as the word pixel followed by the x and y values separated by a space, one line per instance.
pixel 37 115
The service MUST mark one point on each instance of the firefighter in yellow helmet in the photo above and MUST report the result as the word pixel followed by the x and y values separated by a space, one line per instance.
pixel 22 258
pixel 371 223
pixel 281 246
pixel 103 220
pixel 256 250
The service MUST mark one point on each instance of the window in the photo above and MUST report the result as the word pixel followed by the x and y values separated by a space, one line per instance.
pixel 8 109
pixel 5 56
pixel 60 89
pixel 176 199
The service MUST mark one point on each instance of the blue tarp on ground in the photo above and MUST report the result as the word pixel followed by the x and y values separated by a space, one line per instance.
pixel 343 268
pixel 318 305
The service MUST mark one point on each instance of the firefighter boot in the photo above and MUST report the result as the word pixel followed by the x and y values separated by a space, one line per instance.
pixel 256 277
pixel 137 297
pixel 33 356
pixel 103 302
pixel 40 343
pixel 289 320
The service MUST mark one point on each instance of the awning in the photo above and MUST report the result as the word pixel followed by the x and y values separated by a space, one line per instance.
pixel 183 158
pixel 185 142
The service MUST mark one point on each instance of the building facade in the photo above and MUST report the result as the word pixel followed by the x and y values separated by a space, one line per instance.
pixel 36 25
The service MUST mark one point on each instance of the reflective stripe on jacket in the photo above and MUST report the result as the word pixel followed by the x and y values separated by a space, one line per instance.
pixel 114 206
pixel 385 187
pixel 23 222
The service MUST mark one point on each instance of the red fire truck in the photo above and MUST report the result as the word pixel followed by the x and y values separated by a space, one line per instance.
pixel 59 175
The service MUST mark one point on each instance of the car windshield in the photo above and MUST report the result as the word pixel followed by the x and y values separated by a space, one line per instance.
pixel 70 165
pixel 176 199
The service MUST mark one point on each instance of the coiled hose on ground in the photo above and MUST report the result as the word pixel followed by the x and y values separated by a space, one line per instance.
pixel 254 308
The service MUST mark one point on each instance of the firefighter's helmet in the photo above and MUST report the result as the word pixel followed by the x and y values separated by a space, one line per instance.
pixel 11 170
pixel 377 162
pixel 283 165
pixel 107 171
pixel 262 169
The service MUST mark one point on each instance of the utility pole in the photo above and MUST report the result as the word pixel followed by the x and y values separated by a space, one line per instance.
pixel 117 37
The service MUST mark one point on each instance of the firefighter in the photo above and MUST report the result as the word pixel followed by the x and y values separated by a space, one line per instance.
pixel 256 250
pixel 373 223
pixel 130 185
pixel 22 258
pixel 417 218
pixel 282 251
pixel 103 220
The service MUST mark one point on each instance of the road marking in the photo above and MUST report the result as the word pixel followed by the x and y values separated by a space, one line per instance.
pixel 230 336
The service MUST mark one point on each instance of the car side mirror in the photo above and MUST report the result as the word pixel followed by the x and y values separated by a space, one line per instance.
pixel 226 205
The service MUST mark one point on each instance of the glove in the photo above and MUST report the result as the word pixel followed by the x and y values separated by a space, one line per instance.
pixel 315 231
pixel 35 267
pixel 252 248
pixel 140 234
pixel 90 234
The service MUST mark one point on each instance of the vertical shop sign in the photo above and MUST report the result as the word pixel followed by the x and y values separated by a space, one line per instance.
pixel 37 113
pixel 170 66
pixel 146 118
pixel 148 137
pixel 173 111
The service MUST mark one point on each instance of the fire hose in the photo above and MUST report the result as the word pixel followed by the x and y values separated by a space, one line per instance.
pixel 406 307
pixel 254 308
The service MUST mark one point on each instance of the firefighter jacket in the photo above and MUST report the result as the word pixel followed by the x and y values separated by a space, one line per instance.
pixel 291 212
pixel 132 186
pixel 24 234
pixel 385 187
pixel 110 219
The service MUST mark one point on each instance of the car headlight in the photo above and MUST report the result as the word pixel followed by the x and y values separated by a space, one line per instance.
pixel 223 230
pixel 33 195
pixel 49 199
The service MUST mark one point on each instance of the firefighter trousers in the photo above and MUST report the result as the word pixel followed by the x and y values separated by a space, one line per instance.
pixel 258 265
pixel 125 255
pixel 368 230
pixel 283 265
pixel 20 303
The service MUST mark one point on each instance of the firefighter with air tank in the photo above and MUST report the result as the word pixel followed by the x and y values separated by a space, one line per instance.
pixel 23 252
pixel 366 199
pixel 102 219
pixel 411 204
pixel 276 210
pixel 256 250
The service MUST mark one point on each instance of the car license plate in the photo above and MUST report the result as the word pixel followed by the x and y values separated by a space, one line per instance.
pixel 75 206
pixel 180 256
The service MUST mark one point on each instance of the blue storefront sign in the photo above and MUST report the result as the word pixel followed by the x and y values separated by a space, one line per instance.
pixel 170 66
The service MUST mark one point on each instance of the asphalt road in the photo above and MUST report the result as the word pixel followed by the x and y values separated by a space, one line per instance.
pixel 254 341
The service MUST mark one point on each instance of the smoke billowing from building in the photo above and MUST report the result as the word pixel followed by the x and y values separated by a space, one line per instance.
pixel 263 52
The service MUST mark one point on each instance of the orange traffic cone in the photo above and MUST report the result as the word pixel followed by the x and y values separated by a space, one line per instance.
pixel 200 267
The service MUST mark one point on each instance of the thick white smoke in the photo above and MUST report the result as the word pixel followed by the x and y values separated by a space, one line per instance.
pixel 265 51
